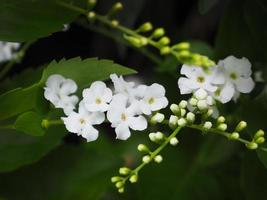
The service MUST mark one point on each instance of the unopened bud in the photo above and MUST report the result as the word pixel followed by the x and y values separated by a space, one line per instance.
pixel 181 122
pixel 158 159
pixel 222 127
pixel 209 112
pixel 91 15
pixel 119 184
pixel 175 109
pixel 190 117
pixel 260 140
pixel 207 125
pixel 146 159
pixel 145 27
pixel 133 178
pixel 182 112
pixel 193 101
pixel 181 46
pixel 143 148
pixel 165 50
pixel 174 141
pixel 221 119
pixel 252 145
pixel 183 104
pixel 184 54
pixel 124 171
pixel 157 118
pixel 173 121
pixel 143 41
pixel 121 190
pixel 152 137
pixel 259 133
pixel 159 135
pixel 234 136
pixel 114 23
pixel 201 94
pixel 241 126
pixel 159 32
pixel 164 41
pixel 115 179
pixel 202 105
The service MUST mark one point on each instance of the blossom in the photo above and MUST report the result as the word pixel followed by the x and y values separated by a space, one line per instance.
pixel 97 97
pixel 121 86
pixel 197 78
pixel 123 117
pixel 237 78
pixel 82 122
pixel 7 50
pixel 58 91
pixel 153 99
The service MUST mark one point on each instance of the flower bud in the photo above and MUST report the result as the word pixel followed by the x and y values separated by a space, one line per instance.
pixel 209 112
pixel 119 184
pixel 201 94
pixel 173 121
pixel 221 119
pixel 182 112
pixel 181 122
pixel 159 135
pixel 133 178
pixel 164 41
pixel 234 136
pixel 202 105
pixel 145 27
pixel 158 159
pixel 174 141
pixel 157 118
pixel 259 133
pixel 115 179
pixel 184 54
pixel 193 101
pixel 241 126
pixel 207 125
pixel 175 109
pixel 45 123
pixel 183 104
pixel 114 23
pixel 252 145
pixel 152 137
pixel 181 46
pixel 190 117
pixel 146 159
pixel 260 140
pixel 159 32
pixel 133 40
pixel 222 127
pixel 91 15
pixel 117 6
pixel 124 171
pixel 143 148
pixel 121 190
pixel 165 50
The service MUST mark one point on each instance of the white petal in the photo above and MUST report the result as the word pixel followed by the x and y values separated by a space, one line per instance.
pixel 227 92
pixel 89 133
pixel 145 108
pixel 72 122
pixel 184 85
pixel 139 91
pixel 98 88
pixel 88 95
pixel 96 118
pixel 188 71
pixel 137 123
pixel 155 90
pixel 244 85
pixel 107 95
pixel 123 131
pixel 68 87
pixel 54 81
pixel 218 77
pixel 159 104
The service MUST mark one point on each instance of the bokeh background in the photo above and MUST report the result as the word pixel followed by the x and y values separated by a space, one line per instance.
pixel 201 166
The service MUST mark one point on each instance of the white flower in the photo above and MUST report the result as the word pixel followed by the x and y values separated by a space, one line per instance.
pixel 97 97
pixel 7 50
pixel 197 78
pixel 58 91
pixel 237 78
pixel 124 117
pixel 154 99
pixel 81 122
pixel 121 86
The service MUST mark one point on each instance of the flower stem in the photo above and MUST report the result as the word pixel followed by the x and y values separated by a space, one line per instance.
pixel 47 123
pixel 10 126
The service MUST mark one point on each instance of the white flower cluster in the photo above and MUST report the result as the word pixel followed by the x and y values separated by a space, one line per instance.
pixel 125 107
pixel 7 50
pixel 223 82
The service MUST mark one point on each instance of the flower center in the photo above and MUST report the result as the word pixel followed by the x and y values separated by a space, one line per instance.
pixel 233 76
pixel 82 121
pixel 201 79
pixel 151 100
pixel 123 117
pixel 98 101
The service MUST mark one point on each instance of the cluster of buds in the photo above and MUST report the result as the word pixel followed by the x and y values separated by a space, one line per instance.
pixel 257 140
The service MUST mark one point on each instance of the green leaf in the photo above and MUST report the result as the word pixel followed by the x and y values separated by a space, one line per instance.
pixel 85 71
pixel 205 5
pixel 18 100
pixel 26 20
pixel 17 149
pixel 30 123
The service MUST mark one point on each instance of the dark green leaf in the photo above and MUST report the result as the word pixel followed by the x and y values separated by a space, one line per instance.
pixel 25 20
pixel 205 5
pixel 30 123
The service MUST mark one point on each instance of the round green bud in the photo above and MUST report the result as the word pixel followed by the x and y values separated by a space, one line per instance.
pixel 142 148
pixel 259 133
pixel 157 118
pixel 159 32
pixel 159 135
pixel 118 6
pixel 241 126
pixel 121 190
pixel 252 145
pixel 114 23
pixel 146 159
pixel 119 184
pixel 182 112
pixel 152 137
pixel 207 125
pixel 173 121
pixel 143 41
pixel 91 15
pixel 193 101
pixel 190 117
pixel 134 41
pixel 182 122
pixel 165 50
pixel 202 105
pixel 45 123
pixel 182 46
pixel 221 119
pixel 175 109
pixel 184 54
pixel 145 27
pixel 164 41
pixel 133 178
pixel 260 140
pixel 222 127
pixel 234 136
pixel 183 104
pixel 158 159
pixel 124 171
pixel 115 179
pixel 174 141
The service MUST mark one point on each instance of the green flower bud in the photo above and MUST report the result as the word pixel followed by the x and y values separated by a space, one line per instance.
pixel 143 148
pixel 190 117
pixel 234 136
pixel 159 32
pixel 145 27
pixel 173 121
pixel 241 126
pixel 202 105
pixel 259 133
pixel 114 23
pixel 183 104
pixel 209 112
pixel 221 119
pixel 115 179
pixel 181 46
pixel 164 41
pixel 146 159
pixel 152 137
pixel 121 190
pixel 252 145
pixel 159 135
pixel 260 140
pixel 91 15
pixel 207 125
pixel 165 50
pixel 175 109
pixel 157 118
pixel 133 178
pixel 158 159
pixel 119 184
pixel 181 122
pixel 143 41
pixel 222 127
pixel 133 40
pixel 174 141
pixel 124 171
pixel 182 112
pixel 184 54
pixel 45 123
pixel 117 6
pixel 193 101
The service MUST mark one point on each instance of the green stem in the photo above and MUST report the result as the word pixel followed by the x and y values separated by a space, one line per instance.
pixel 47 123
pixel 10 126
pixel 11 63
pixel 154 153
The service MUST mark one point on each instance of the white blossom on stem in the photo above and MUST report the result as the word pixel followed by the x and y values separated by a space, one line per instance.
pixel 8 50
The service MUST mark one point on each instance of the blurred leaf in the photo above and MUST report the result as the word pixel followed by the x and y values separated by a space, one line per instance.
pixel 25 20
pixel 18 100
pixel 85 71
pixel 18 149
pixel 82 174
pixel 253 178
pixel 205 5
pixel 30 123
